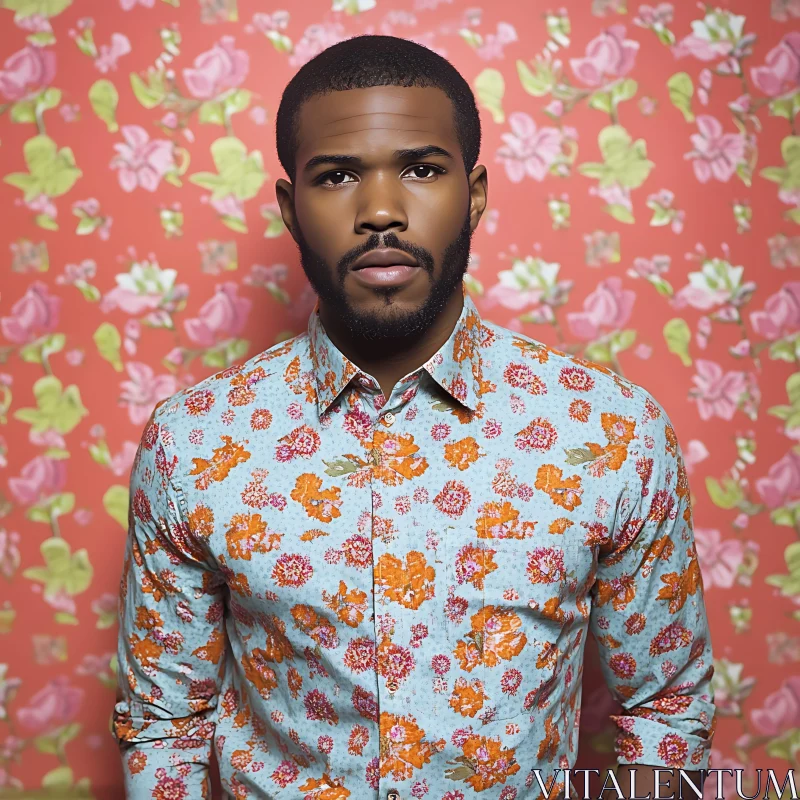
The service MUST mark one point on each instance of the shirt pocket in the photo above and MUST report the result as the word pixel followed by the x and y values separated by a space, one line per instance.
pixel 505 620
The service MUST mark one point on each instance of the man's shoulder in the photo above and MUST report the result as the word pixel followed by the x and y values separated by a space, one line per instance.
pixel 262 372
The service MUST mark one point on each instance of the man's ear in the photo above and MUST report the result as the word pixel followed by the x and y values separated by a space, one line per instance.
pixel 478 194
pixel 284 192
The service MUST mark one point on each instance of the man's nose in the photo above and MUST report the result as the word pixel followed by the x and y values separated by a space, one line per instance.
pixel 381 205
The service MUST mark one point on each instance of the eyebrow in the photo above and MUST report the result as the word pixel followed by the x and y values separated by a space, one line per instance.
pixel 404 154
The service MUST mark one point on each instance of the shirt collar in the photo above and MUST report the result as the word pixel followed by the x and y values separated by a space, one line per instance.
pixel 457 366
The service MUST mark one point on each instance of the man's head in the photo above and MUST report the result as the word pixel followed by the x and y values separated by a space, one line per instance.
pixel 380 138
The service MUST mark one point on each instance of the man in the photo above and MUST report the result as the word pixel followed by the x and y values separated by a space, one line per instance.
pixel 367 560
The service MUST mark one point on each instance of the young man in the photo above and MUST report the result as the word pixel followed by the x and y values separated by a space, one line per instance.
pixel 367 560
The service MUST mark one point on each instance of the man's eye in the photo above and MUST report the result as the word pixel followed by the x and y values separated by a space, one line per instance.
pixel 426 168
pixel 334 175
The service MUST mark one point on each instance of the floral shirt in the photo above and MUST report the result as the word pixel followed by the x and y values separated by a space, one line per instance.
pixel 350 596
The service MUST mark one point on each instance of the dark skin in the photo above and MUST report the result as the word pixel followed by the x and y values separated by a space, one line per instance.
pixel 338 209
pixel 424 203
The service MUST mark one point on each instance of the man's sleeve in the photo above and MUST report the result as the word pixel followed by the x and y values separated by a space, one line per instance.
pixel 170 646
pixel 648 613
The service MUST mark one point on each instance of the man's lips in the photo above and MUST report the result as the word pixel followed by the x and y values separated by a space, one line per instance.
pixel 390 275
pixel 383 257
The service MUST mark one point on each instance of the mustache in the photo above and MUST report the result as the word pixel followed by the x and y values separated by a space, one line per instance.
pixel 423 256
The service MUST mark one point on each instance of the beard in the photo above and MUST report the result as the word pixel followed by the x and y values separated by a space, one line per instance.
pixel 393 326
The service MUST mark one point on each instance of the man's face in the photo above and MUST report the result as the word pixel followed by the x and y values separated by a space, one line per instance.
pixel 355 192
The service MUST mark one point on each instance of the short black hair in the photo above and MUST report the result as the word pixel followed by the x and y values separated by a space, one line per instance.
pixel 372 60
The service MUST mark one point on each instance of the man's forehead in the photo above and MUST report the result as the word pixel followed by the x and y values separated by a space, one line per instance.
pixel 330 119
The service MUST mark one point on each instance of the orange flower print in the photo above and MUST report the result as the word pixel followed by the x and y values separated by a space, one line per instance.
pixel 201 521
pixel 145 651
pixel 394 660
pixel 473 564
pixel 501 521
pixel 463 453
pixel 536 350
pixel 199 402
pixel 319 504
pixel 546 565
pixel 679 586
pixel 403 747
pixel 538 436
pixel 318 627
pixel 242 392
pixel 670 637
pixel 302 442
pixel 579 410
pixel 213 649
pixel 349 606
pixel 619 432
pixel 292 569
pixel 247 534
pixel 398 459
pixel 496 636
pixel 300 382
pixel 484 764
pixel 324 788
pixel 278 647
pixel 560 525
pixel 548 747
pixel 564 492
pixel 619 591
pixel 259 672
pixel 223 460
pixel 468 696
pixel 408 584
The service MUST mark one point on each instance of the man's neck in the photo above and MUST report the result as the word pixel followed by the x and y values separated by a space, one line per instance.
pixel 389 364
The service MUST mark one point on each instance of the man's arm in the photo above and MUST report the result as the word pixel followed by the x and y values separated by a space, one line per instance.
pixel 171 637
pixel 649 615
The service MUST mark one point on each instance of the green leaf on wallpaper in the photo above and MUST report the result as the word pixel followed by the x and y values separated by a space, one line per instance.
pixel 234 223
pixel 49 98
pixel 115 502
pixel 625 162
pixel 624 90
pixel 681 91
pixel 538 83
pixel 56 409
pixel 104 97
pixel 46 221
pixel 153 92
pixel 620 213
pixel 599 352
pixel 109 342
pixel 52 172
pixel 63 570
pixel 23 111
pixel 788 584
pixel 490 89
pixel 236 102
pixel 786 107
pixel 787 176
pixel 677 335
pixel 238 173
pixel 35 352
pixel 30 8
pixel 601 101
pixel 793 215
pixel 211 113
pixel 726 494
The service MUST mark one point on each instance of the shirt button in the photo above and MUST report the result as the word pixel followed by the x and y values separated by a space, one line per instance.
pixel 392 685
pixel 388 418
pixel 393 794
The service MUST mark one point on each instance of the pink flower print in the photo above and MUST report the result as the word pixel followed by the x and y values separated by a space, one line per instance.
pixel 609 55
pixel 141 393
pixel 782 70
pixel 781 314
pixel 27 72
pixel 222 67
pixel 719 559
pixel 781 485
pixel 716 154
pixel 782 10
pixel 33 315
pixel 494 43
pixel 316 38
pixel 528 150
pixel 695 452
pixel 718 393
pixel 781 710
pixel 54 706
pixel 42 477
pixel 110 54
pixel 142 161
pixel 222 317
pixel 607 307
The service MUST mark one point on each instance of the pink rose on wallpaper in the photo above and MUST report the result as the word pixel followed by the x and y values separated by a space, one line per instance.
pixel 781 710
pixel 528 150
pixel 54 706
pixel 694 453
pixel 782 71
pixel 42 477
pixel 719 559
pixel 144 390
pixel 142 161
pixel 27 72
pixel 316 38
pixel 609 55
pixel 608 307
pixel 111 53
pixel 222 317
pixel 493 43
pixel 716 154
pixel 781 314
pixel 717 393
pixel 122 461
pixel 220 68
pixel 33 315
pixel 782 10
pixel 781 485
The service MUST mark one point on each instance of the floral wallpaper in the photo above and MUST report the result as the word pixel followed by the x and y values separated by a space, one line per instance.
pixel 644 165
